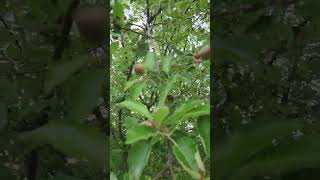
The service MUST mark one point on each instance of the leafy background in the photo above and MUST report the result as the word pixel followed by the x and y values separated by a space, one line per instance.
pixel 266 90
pixel 162 35
pixel 52 101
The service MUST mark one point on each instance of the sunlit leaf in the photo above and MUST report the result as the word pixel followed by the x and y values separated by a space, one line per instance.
pixel 160 113
pixel 165 90
pixel 136 89
pixel 185 150
pixel 184 108
pixel 150 61
pixel 113 176
pixel 130 83
pixel 137 133
pixel 136 107
pixel 166 64
pixel 138 158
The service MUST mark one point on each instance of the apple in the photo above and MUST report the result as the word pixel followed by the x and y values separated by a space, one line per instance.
pixel 138 68
pixel 91 22
pixel 205 53
pixel 196 57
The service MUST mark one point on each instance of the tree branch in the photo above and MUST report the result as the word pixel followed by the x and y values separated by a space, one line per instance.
pixel 64 36
pixel 31 165
pixel 155 15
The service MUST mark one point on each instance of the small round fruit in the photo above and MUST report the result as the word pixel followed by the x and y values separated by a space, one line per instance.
pixel 205 53
pixel 149 123
pixel 91 22
pixel 170 98
pixel 138 68
pixel 196 57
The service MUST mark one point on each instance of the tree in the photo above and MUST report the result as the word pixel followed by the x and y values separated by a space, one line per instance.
pixel 51 82
pixel 266 90
pixel 159 116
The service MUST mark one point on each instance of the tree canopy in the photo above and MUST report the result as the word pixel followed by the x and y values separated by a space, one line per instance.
pixel 266 89
pixel 159 117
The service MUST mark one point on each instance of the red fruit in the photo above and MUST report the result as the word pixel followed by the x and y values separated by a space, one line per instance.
pixel 205 53
pixel 196 57
pixel 149 123
pixel 138 68
pixel 91 22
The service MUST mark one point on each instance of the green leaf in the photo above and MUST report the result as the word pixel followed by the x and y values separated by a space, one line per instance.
pixel 83 92
pixel 142 49
pixel 116 158
pixel 199 111
pixel 165 90
pixel 137 133
pixel 185 151
pixel 136 89
pixel 296 155
pixel 240 146
pixel 310 8
pixel 136 107
pixel 199 161
pixel 75 140
pixel 61 176
pixel 113 176
pixel 170 6
pixel 6 173
pixel 138 158
pixel 8 91
pixel 166 64
pixel 3 115
pixel 203 4
pixel 150 61
pixel 203 124
pixel 118 10
pixel 59 72
pixel 131 121
pixel 130 83
pixel 160 113
pixel 239 48
pixel 178 114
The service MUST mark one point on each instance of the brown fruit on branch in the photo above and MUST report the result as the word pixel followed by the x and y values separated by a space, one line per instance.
pixel 170 98
pixel 149 123
pixel 196 57
pixel 91 22
pixel 205 53
pixel 138 68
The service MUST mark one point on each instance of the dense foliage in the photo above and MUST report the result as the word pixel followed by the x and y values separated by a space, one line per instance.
pixel 52 110
pixel 159 95
pixel 266 89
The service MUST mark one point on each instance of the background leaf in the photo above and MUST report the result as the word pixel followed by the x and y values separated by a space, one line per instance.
pixel 75 140
pixel 166 64
pixel 83 93
pixel 203 125
pixel 242 145
pixel 61 71
pixel 150 61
